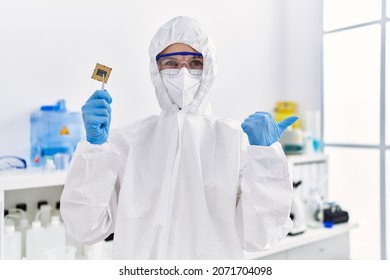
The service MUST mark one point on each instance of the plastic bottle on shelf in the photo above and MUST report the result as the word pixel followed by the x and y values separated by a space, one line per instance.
pixel 36 242
pixel 96 251
pixel 8 219
pixel 12 243
pixel 41 202
pixel 57 211
pixel 45 212
pixel 79 246
pixel 50 166
pixel 22 206
pixel 55 233
pixel 23 224
pixel 23 227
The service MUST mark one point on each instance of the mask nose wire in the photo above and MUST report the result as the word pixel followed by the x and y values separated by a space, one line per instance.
pixel 184 64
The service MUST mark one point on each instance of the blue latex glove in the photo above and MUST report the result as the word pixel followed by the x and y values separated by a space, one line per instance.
pixel 262 130
pixel 97 117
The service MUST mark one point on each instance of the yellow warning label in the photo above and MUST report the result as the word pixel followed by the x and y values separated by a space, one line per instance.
pixel 64 130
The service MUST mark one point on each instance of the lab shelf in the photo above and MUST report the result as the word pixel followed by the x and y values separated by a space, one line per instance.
pixel 307 158
pixel 28 186
pixel 31 179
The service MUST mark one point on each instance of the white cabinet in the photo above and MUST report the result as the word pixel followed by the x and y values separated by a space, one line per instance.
pixel 314 244
pixel 28 187
pixel 334 248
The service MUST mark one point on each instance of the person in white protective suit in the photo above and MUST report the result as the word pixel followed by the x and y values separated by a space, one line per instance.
pixel 183 184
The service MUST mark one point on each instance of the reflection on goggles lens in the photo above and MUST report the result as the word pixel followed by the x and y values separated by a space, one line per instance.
pixel 178 60
pixel 9 162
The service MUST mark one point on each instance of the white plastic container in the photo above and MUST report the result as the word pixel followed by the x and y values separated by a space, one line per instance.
pixel 45 213
pixel 23 227
pixel 36 242
pixel 12 243
pixel 99 251
pixel 56 211
pixel 55 234
pixel 62 253
pixel 78 245
pixel 50 166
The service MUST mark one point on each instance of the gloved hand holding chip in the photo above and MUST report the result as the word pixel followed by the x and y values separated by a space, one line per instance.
pixel 262 130
pixel 97 117
pixel 97 109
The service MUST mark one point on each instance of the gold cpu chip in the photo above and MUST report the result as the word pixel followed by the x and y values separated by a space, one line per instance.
pixel 100 72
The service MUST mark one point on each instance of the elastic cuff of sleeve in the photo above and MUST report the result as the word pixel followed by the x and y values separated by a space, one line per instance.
pixel 272 150
pixel 85 147
pixel 268 161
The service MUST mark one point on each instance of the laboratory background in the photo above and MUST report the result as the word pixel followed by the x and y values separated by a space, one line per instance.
pixel 326 61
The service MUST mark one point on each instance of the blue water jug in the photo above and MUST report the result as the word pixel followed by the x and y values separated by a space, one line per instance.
pixel 54 130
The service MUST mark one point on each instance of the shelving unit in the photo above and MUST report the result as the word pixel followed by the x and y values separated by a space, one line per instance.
pixel 307 159
pixel 312 170
pixel 28 186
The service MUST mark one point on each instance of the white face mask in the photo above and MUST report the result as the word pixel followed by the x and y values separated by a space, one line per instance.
pixel 183 86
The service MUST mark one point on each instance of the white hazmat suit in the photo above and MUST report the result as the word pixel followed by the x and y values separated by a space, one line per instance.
pixel 180 185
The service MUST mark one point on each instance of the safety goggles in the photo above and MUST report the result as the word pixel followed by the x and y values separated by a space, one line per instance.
pixel 175 61
pixel 10 162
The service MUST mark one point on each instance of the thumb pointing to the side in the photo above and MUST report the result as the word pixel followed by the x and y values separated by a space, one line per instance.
pixel 287 122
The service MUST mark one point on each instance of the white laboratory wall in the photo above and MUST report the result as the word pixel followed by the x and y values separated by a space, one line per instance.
pixel 49 48
pixel 302 61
